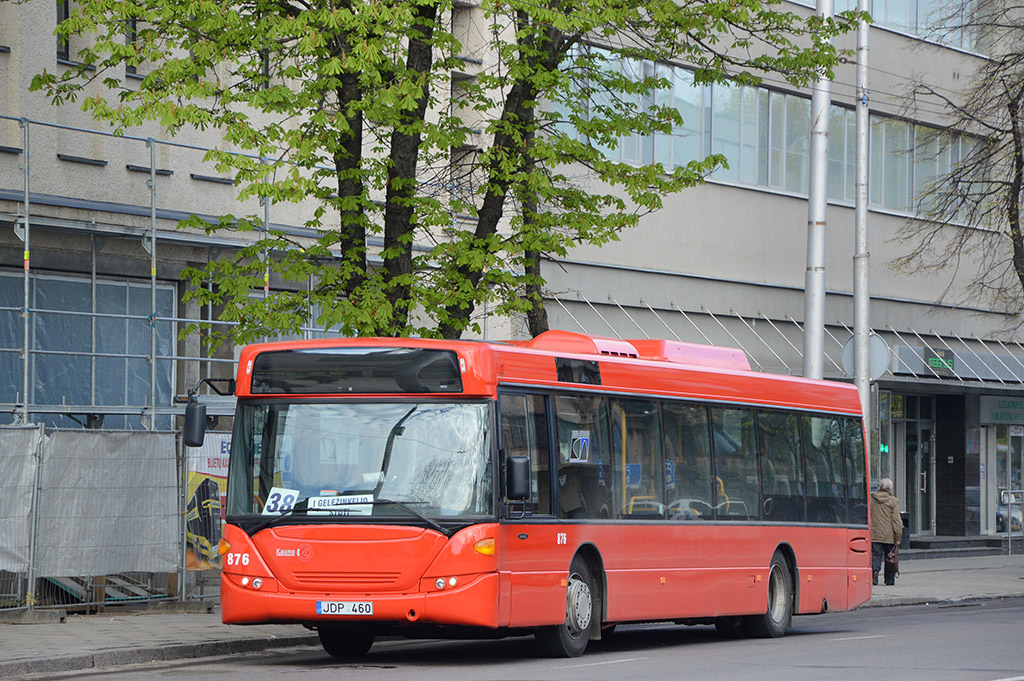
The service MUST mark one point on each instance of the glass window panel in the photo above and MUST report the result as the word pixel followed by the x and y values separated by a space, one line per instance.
pixel 823 469
pixel 111 332
pixel 637 458
pixel 926 166
pixel 629 144
pixel 856 473
pixel 686 145
pixel 763 136
pixel 836 153
pixel 524 432
pixel 1002 455
pixel 930 13
pixel 725 128
pixel 850 189
pixel 647 101
pixel 663 98
pixel 583 484
pixel 11 369
pixel 897 160
pixel 139 308
pixel 56 331
pixel 897 15
pixel 736 479
pixel 688 488
pixel 60 379
pixel 782 480
pixel 798 139
pixel 876 156
pixel 111 381
pixel 11 296
pixel 749 136
pixel 602 99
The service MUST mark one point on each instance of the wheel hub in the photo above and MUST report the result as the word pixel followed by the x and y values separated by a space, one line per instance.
pixel 578 606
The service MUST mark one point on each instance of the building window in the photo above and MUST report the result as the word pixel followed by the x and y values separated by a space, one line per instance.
pixel 765 137
pixel 87 350
pixel 131 36
pixel 63 44
pixel 949 22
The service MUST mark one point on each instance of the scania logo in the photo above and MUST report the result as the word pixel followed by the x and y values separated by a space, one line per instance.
pixel 304 553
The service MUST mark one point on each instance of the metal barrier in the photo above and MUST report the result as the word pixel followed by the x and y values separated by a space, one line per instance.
pixel 98 518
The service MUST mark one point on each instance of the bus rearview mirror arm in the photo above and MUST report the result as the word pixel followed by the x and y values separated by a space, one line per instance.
pixel 194 431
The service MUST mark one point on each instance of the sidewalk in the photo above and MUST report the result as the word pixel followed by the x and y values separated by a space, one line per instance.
pixel 116 638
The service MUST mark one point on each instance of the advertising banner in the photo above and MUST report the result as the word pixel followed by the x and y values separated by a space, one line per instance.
pixel 206 487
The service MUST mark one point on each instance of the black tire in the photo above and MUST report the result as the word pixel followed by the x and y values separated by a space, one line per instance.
pixel 776 620
pixel 570 638
pixel 349 642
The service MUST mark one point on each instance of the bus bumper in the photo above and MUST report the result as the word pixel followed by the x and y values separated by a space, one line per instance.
pixel 473 602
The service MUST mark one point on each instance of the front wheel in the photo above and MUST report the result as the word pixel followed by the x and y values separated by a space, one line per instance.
pixel 776 620
pixel 345 641
pixel 569 639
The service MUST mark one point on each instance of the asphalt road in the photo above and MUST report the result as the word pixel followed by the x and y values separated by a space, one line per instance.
pixel 979 641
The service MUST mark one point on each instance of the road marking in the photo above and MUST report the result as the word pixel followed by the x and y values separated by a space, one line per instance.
pixel 861 638
pixel 1015 678
pixel 597 664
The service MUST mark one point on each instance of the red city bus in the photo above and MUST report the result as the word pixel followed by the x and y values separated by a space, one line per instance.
pixel 555 487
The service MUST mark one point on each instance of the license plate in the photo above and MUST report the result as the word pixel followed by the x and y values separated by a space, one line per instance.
pixel 344 608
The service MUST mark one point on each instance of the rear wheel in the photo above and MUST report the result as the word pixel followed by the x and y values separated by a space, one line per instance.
pixel 345 641
pixel 569 639
pixel 776 620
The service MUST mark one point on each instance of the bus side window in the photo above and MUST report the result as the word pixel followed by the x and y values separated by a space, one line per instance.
pixel 823 466
pixel 687 462
pixel 735 463
pixel 782 481
pixel 637 458
pixel 582 458
pixel 524 432
pixel 856 473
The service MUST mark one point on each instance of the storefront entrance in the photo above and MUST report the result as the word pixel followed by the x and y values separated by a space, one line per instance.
pixel 915 456
pixel 1009 463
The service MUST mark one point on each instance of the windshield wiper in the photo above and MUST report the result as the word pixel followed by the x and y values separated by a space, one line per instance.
pixel 405 507
pixel 301 505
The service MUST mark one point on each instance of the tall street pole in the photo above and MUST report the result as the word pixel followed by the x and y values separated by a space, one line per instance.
pixel 817 205
pixel 861 275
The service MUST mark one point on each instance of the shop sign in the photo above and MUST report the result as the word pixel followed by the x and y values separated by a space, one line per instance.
pixel 942 362
pixel 996 410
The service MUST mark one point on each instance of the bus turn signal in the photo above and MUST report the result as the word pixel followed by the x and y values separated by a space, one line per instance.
pixel 485 546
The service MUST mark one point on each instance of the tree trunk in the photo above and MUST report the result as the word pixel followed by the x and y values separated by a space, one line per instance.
pixel 517 113
pixel 399 214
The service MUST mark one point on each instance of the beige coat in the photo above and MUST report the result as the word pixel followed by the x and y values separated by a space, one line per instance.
pixel 886 525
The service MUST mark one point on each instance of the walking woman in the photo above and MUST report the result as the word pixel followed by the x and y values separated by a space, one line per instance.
pixel 886 529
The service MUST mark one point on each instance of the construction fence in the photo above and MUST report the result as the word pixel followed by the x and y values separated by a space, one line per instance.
pixel 91 518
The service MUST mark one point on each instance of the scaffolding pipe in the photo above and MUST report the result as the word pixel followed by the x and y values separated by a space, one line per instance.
pixel 151 143
pixel 26 330
pixel 817 208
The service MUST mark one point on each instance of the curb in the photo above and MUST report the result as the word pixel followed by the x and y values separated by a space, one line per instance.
pixel 896 601
pixel 177 651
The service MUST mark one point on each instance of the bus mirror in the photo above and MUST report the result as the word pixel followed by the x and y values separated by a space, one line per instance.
pixel 194 431
pixel 517 478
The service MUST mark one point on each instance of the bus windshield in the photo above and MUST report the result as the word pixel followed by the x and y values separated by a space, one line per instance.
pixel 356 458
